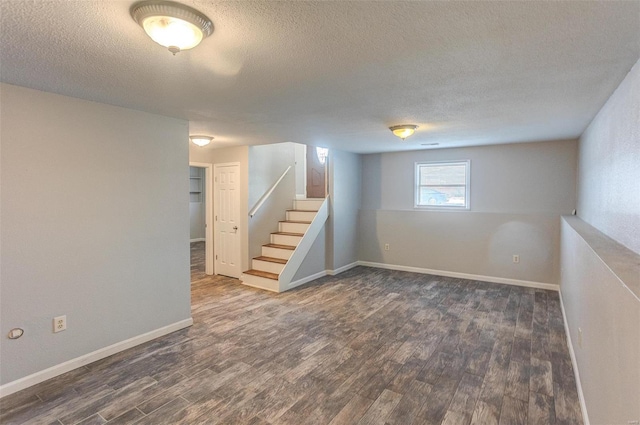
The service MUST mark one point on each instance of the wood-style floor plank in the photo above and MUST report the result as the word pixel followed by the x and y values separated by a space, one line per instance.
pixel 353 411
pixel 541 410
pixel 518 381
pixel 514 412
pixel 380 409
pixel 368 346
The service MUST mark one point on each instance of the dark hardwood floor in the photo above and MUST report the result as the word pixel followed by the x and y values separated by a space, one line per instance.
pixel 369 346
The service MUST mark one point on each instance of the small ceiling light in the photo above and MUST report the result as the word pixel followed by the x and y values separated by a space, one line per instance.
pixel 403 131
pixel 201 140
pixel 172 25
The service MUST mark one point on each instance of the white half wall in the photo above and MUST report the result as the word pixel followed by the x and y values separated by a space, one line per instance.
pixel 598 281
pixel 95 226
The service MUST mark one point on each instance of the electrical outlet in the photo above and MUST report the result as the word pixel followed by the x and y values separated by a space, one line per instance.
pixel 59 324
pixel 516 258
pixel 386 247
pixel 580 337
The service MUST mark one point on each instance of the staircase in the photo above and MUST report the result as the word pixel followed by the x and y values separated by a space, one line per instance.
pixel 266 269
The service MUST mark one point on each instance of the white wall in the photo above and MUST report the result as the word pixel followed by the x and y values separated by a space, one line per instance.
pixel 95 226
pixel 266 164
pixel 518 193
pixel 600 282
pixel 609 166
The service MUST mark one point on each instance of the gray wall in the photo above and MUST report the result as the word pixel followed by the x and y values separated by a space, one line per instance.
pixel 315 260
pixel 597 297
pixel 518 193
pixel 345 182
pixel 266 164
pixel 95 226
pixel 337 246
pixel 609 166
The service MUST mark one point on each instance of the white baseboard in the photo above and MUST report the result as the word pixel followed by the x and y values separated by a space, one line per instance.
pixel 322 274
pixel 504 280
pixel 342 269
pixel 43 375
pixel 574 363
pixel 197 240
pixel 307 279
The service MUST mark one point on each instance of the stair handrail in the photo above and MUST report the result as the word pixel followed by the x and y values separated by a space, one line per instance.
pixel 266 195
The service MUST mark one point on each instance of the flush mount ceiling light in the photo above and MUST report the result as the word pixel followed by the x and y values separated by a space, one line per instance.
pixel 201 140
pixel 172 25
pixel 403 131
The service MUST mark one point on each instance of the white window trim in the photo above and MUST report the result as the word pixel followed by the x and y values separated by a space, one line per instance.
pixel 416 186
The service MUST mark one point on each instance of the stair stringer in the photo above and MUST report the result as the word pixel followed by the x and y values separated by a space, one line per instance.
pixel 301 251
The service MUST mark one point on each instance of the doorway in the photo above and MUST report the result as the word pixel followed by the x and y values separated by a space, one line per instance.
pixel 317 172
pixel 227 219
pixel 200 212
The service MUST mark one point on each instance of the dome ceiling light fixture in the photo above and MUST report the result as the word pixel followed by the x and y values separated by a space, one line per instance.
pixel 172 25
pixel 201 140
pixel 404 130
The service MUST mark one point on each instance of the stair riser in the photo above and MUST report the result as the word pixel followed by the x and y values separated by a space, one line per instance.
pixel 292 227
pixel 267 266
pixel 307 204
pixel 268 251
pixel 300 215
pixel 286 240
pixel 260 282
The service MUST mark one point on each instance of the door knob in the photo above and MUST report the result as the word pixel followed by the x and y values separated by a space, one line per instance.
pixel 235 227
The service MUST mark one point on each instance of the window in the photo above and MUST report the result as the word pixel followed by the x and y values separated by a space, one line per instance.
pixel 442 185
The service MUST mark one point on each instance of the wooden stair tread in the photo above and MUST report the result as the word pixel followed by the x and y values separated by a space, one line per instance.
pixel 315 211
pixel 275 245
pixel 297 222
pixel 260 273
pixel 288 234
pixel 271 259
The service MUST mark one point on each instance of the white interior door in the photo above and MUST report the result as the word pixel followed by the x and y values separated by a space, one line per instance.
pixel 227 219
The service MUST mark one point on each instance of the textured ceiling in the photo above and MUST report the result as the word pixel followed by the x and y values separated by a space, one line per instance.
pixel 337 74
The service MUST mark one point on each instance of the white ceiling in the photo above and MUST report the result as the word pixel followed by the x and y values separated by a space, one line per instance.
pixel 338 74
